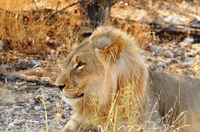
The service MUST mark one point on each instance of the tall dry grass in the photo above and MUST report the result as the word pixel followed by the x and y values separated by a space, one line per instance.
pixel 124 116
pixel 27 27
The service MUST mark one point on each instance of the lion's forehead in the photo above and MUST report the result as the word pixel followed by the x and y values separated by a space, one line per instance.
pixel 86 50
pixel 85 56
pixel 91 43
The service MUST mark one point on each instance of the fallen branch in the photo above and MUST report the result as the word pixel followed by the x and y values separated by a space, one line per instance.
pixel 173 31
pixel 12 78
pixel 168 32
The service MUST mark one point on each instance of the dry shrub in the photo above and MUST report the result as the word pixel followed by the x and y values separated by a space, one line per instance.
pixel 39 30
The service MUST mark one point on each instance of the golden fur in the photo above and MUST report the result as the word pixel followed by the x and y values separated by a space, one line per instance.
pixel 108 60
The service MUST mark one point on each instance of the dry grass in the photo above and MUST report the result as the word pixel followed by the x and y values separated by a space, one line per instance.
pixel 37 30
pixel 46 117
pixel 124 115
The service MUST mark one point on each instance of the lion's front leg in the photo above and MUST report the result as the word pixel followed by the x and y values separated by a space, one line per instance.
pixel 88 127
pixel 74 126
pixel 71 126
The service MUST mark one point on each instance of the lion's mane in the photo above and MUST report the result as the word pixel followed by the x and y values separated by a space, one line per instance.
pixel 130 68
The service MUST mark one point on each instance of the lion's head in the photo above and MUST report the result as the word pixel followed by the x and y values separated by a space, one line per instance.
pixel 106 60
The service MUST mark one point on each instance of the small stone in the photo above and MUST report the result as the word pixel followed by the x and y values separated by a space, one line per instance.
pixel 156 49
pixel 31 100
pixel 186 41
pixel 29 108
pixel 161 64
pixel 24 87
pixel 37 107
pixel 169 54
pixel 23 111
pixel 179 51
pixel 182 58
pixel 36 122
pixel 42 96
pixel 173 61
pixel 34 62
pixel 11 125
pixel 33 121
pixel 17 107
pixel 190 59
pixel 186 63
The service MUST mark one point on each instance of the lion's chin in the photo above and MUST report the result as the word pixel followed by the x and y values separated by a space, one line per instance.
pixel 72 100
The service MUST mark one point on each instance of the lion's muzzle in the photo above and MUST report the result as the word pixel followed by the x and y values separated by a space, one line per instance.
pixel 71 92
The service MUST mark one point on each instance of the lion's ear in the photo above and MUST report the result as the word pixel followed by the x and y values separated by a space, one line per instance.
pixel 84 33
pixel 113 51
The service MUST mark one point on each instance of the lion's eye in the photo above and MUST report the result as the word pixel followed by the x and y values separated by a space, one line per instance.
pixel 80 65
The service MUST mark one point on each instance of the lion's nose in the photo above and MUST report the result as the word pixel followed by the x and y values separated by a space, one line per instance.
pixel 61 87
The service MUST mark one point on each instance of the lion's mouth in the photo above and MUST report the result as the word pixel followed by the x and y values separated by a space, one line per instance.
pixel 71 93
pixel 75 96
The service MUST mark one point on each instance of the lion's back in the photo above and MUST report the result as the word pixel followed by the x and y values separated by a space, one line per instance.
pixel 177 95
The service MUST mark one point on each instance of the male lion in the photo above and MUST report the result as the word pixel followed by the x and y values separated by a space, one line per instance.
pixel 108 60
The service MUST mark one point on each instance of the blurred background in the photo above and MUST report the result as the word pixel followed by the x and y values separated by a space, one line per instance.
pixel 167 30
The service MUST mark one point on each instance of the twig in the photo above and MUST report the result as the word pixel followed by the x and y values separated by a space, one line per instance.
pixel 61 10
pixel 46 117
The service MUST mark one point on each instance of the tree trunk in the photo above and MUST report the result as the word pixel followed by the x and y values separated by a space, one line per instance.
pixel 95 12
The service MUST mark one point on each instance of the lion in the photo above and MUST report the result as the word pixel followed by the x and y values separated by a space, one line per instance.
pixel 105 62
